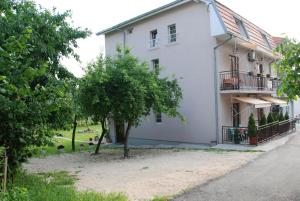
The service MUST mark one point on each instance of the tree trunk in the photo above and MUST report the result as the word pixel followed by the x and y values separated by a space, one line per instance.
pixel 74 132
pixel 126 150
pixel 104 130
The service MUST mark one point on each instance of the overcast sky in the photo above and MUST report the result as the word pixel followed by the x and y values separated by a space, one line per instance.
pixel 275 17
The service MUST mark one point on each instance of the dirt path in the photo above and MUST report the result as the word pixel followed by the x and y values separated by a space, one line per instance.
pixel 147 174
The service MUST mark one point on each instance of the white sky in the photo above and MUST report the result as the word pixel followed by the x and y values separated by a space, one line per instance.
pixel 274 16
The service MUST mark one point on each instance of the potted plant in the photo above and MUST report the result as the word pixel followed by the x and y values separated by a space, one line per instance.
pixel 250 73
pixel 270 118
pixel 281 117
pixel 286 116
pixel 268 75
pixel 252 130
pixel 263 120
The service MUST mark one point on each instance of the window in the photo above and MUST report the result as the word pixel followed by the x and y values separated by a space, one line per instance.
pixel 172 33
pixel 155 64
pixel 158 117
pixel 241 27
pixel 266 40
pixel 153 38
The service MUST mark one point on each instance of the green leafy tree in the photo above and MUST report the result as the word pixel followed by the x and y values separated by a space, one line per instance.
pixel 281 117
pixel 34 87
pixel 251 126
pixel 286 116
pixel 289 68
pixel 94 97
pixel 263 120
pixel 270 118
pixel 137 90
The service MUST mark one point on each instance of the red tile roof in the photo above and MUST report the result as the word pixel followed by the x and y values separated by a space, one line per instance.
pixel 255 33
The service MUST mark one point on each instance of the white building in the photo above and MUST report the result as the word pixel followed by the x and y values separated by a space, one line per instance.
pixel 223 63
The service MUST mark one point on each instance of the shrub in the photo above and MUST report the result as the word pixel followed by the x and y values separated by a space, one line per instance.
pixel 270 118
pixel 263 120
pixel 251 126
pixel 281 117
pixel 15 194
pixel 286 116
pixel 275 116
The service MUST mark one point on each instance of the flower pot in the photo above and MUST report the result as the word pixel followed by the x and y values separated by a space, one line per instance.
pixel 268 75
pixel 253 140
pixel 250 73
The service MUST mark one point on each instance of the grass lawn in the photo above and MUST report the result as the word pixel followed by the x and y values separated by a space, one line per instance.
pixel 59 186
pixel 80 136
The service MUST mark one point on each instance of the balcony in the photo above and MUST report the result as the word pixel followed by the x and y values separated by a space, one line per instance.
pixel 237 81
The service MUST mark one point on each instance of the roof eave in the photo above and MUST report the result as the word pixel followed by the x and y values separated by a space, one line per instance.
pixel 143 16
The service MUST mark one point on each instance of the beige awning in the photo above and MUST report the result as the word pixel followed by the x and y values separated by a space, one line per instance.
pixel 258 103
pixel 275 101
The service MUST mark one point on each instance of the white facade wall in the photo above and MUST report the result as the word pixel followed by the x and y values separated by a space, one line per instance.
pixel 190 59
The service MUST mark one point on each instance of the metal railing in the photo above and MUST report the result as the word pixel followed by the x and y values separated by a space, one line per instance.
pixel 238 80
pixel 238 135
pixel 264 133
pixel 271 130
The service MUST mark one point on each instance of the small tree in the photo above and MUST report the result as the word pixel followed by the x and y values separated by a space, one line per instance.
pixel 275 116
pixel 281 117
pixel 251 126
pixel 286 116
pixel 263 120
pixel 93 95
pixel 136 91
pixel 270 118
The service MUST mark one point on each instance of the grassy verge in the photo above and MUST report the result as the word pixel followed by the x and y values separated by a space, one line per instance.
pixel 59 186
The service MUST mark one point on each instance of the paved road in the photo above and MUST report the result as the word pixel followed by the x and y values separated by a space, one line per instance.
pixel 274 176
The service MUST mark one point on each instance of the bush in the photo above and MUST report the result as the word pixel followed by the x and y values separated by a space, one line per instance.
pixel 251 126
pixel 270 118
pixel 286 116
pixel 263 120
pixel 15 194
pixel 281 117
pixel 275 116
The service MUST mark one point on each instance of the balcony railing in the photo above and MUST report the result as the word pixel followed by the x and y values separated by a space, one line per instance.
pixel 237 80
pixel 264 133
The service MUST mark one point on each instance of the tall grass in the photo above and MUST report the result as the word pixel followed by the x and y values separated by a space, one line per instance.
pixel 59 186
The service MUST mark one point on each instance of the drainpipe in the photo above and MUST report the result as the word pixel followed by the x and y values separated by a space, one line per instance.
pixel 216 86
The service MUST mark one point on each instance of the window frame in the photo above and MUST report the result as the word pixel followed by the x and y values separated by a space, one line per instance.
pixel 241 27
pixel 158 118
pixel 153 40
pixel 266 41
pixel 171 35
pixel 155 65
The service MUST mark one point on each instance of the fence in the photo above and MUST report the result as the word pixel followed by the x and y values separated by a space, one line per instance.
pixel 264 133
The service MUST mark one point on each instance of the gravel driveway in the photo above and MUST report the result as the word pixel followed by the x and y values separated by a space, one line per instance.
pixel 147 173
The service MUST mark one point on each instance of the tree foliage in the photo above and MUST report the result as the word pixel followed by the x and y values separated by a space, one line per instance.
pixel 124 89
pixel 289 68
pixel 94 97
pixel 251 126
pixel 137 90
pixel 34 86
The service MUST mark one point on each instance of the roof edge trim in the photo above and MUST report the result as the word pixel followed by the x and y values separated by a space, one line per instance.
pixel 143 16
